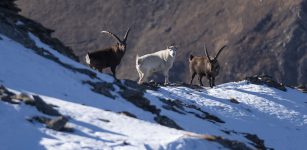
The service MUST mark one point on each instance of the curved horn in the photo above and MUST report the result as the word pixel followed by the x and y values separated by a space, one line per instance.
pixel 207 54
pixel 126 35
pixel 218 53
pixel 113 35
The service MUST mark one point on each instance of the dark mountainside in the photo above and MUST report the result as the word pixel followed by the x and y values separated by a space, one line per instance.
pixel 266 37
pixel 17 27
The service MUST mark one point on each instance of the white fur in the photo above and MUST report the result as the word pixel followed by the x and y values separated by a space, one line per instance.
pixel 160 61
pixel 87 59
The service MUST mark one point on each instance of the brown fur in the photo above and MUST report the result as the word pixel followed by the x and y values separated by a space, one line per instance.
pixel 205 66
pixel 109 57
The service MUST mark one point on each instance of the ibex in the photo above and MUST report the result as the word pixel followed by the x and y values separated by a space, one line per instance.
pixel 205 66
pixel 160 61
pixel 108 57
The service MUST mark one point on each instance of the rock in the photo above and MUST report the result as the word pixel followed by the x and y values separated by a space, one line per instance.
pixel 231 144
pixel 57 124
pixel 186 85
pixel 173 105
pixel 44 107
pixel 103 120
pixel 7 96
pixel 126 113
pixel 134 85
pixel 165 121
pixel 233 100
pixel 205 115
pixel 27 99
pixel 227 143
pixel 209 117
pixel 136 98
pixel 302 88
pixel 103 88
pixel 9 5
pixel 257 142
pixel 267 80
pixel 141 87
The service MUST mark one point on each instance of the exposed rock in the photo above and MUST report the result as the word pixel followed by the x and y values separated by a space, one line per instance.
pixel 233 100
pixel 27 99
pixel 137 98
pixel 17 27
pixel 209 117
pixel 142 87
pixel 257 142
pixel 229 144
pixel 7 96
pixel 134 85
pixel 9 5
pixel 43 107
pixel 205 115
pixel 179 107
pixel 103 88
pixel 302 88
pixel 57 124
pixel 193 86
pixel 126 113
pixel 165 121
pixel 173 105
pixel 103 120
pixel 267 80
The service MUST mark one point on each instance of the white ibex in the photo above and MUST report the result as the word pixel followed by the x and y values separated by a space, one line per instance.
pixel 160 61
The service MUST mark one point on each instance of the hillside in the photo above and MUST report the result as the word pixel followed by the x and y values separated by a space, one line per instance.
pixel 48 100
pixel 266 37
pixel 103 114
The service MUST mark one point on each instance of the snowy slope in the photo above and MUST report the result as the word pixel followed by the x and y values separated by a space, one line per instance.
pixel 34 74
pixel 277 117
pixel 261 117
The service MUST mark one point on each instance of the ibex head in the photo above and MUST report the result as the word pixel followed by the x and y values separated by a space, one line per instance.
pixel 172 50
pixel 213 66
pixel 121 44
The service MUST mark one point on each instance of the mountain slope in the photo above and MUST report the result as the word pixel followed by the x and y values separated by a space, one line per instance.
pixel 260 116
pixel 37 75
pixel 50 101
pixel 268 36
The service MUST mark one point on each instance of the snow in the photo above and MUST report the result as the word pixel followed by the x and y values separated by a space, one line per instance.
pixel 107 135
pixel 267 112
pixel 277 117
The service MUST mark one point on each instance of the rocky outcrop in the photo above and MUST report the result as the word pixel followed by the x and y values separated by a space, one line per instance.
pixel 58 123
pixel 17 27
pixel 43 107
pixel 9 5
pixel 267 80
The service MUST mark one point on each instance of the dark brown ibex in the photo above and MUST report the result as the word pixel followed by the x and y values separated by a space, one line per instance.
pixel 108 57
pixel 205 66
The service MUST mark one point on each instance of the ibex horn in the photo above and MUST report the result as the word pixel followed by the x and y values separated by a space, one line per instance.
pixel 207 54
pixel 218 53
pixel 113 35
pixel 126 35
